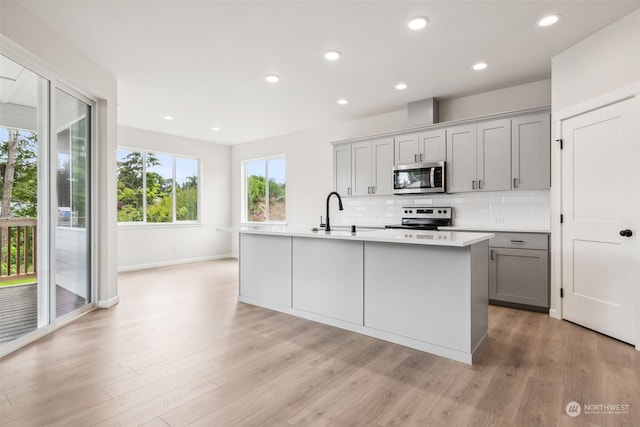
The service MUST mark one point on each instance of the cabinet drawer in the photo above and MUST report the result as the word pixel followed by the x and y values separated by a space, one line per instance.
pixel 520 241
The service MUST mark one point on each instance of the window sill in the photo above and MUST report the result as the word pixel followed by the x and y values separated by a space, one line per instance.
pixel 249 224
pixel 133 225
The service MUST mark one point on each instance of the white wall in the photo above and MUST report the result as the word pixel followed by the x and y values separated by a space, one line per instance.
pixel 530 95
pixel 146 245
pixel 605 62
pixel 28 41
pixel 309 154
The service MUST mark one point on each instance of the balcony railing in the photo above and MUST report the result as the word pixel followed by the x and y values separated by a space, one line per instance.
pixel 18 248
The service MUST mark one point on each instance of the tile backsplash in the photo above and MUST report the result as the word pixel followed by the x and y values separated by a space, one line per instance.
pixel 499 209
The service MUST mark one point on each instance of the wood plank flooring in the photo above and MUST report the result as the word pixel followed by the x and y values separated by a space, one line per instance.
pixel 179 350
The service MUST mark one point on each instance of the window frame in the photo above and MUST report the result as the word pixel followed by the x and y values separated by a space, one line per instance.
pixel 174 222
pixel 244 219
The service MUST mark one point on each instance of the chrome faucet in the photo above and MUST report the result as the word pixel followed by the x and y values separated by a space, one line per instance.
pixel 328 228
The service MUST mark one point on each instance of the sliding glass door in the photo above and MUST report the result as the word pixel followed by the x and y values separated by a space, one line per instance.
pixel 45 214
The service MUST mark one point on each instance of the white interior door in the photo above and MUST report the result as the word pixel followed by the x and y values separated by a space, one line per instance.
pixel 600 191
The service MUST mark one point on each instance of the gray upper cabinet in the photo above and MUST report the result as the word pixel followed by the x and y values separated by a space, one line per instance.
pixel 433 145
pixel 461 159
pixel 423 147
pixel 510 152
pixel 361 168
pixel 342 169
pixel 407 148
pixel 531 152
pixel 382 166
pixel 494 156
pixel 364 168
pixel 479 157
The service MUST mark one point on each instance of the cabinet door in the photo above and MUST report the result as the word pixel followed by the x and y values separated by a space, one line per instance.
pixel 494 156
pixel 531 152
pixel 328 278
pixel 265 268
pixel 342 169
pixel 361 168
pixel 406 148
pixel 433 146
pixel 519 276
pixel 461 159
pixel 382 166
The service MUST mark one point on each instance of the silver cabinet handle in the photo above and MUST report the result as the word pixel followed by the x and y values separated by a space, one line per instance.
pixel 473 184
pixel 421 157
pixel 415 158
pixel 373 190
pixel 515 182
pixel 479 184
pixel 349 191
pixel 492 257
pixel 517 241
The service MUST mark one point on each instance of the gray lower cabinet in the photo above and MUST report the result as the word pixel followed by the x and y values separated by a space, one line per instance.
pixel 519 270
pixel 265 268
pixel 328 278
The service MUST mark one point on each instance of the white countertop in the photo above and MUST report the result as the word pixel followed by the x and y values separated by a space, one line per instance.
pixel 413 237
pixel 496 229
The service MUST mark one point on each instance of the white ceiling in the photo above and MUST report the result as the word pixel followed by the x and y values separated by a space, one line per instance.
pixel 204 62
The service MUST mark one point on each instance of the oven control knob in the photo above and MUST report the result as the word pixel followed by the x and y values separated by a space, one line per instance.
pixel 439 211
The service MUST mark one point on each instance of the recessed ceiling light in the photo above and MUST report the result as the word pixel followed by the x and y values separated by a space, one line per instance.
pixel 272 78
pixel 418 22
pixel 168 118
pixel 332 55
pixel 343 101
pixel 401 86
pixel 215 128
pixel 548 20
pixel 480 66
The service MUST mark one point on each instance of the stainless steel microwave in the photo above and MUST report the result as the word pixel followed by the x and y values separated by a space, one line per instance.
pixel 416 178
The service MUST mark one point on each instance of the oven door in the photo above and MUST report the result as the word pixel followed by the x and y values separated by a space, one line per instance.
pixel 418 178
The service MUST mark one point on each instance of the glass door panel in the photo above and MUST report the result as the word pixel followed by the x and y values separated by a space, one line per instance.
pixel 72 225
pixel 24 293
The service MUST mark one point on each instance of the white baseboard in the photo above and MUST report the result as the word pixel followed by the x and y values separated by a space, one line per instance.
pixel 108 303
pixel 174 262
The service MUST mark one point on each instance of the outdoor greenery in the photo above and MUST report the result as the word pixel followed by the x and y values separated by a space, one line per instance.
pixel 24 194
pixel 19 183
pixel 256 194
pixel 158 192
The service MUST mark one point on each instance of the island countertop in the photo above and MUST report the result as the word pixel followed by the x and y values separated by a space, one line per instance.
pixel 404 236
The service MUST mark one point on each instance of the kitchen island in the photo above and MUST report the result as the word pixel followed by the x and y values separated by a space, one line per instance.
pixel 422 289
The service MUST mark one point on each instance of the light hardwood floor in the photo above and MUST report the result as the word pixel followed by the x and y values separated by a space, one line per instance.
pixel 180 350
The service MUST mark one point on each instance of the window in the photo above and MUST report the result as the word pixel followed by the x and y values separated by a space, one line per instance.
pixel 157 188
pixel 265 190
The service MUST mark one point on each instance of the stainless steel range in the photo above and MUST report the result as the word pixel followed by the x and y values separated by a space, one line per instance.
pixel 425 218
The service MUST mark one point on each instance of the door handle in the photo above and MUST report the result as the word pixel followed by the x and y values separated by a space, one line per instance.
pixel 626 233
